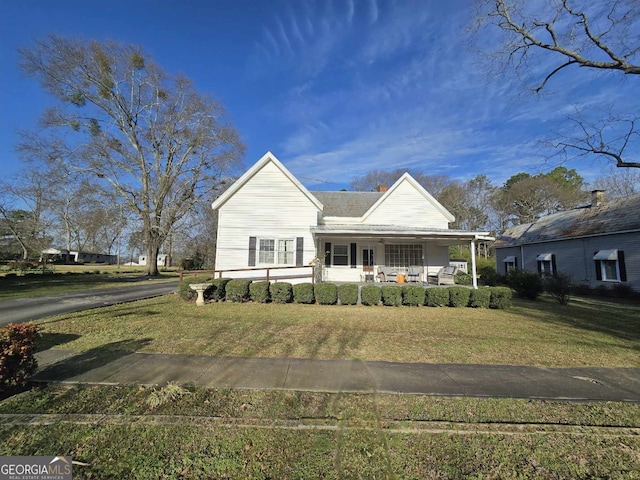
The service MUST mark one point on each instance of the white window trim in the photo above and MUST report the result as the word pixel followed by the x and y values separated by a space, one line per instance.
pixel 276 241
pixel 608 256
pixel 603 271
pixel 333 255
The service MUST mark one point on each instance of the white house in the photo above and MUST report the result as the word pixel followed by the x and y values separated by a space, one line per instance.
pixel 164 260
pixel 267 218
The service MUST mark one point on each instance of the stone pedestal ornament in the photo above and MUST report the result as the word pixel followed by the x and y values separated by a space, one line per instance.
pixel 199 288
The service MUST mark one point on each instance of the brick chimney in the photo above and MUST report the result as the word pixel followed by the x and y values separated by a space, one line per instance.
pixel 597 198
pixel 383 188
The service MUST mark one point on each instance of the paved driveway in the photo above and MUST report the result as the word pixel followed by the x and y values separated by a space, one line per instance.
pixel 27 309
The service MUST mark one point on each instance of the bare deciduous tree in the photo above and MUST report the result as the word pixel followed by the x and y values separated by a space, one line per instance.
pixel 147 136
pixel 619 184
pixel 24 211
pixel 598 35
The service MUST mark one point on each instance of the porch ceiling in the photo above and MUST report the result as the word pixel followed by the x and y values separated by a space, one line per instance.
pixel 398 232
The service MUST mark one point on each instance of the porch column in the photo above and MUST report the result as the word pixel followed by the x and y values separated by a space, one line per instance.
pixel 474 278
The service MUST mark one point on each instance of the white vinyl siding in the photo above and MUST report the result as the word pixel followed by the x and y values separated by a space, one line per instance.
pixel 406 206
pixel 283 212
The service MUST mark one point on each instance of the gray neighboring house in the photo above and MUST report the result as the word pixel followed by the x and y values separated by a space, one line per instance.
pixel 598 244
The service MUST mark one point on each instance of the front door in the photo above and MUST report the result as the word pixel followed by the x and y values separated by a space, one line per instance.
pixel 367 264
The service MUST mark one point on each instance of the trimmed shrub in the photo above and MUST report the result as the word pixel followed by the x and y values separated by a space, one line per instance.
pixel 189 295
pixel 436 297
pixel 326 293
pixel 480 298
pixel 489 276
pixel 500 297
pixel 219 293
pixel 413 295
pixel 459 296
pixel 622 290
pixel 370 295
pixel 281 292
pixel 559 287
pixel 17 354
pixel 462 278
pixel 303 293
pixel 525 283
pixel 259 291
pixel 392 295
pixel 348 294
pixel 237 291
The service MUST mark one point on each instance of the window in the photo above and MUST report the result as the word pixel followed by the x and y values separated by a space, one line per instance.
pixel 402 256
pixel 610 266
pixel 285 252
pixel 546 263
pixel 510 263
pixel 341 255
pixel 265 253
pixel 284 255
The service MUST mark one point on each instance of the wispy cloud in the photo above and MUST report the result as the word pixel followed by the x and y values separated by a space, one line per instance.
pixel 383 85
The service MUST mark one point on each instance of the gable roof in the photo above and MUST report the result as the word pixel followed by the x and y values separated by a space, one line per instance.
pixel 346 204
pixel 614 216
pixel 408 178
pixel 259 165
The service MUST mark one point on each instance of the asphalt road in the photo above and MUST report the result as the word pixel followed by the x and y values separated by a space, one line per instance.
pixel 28 309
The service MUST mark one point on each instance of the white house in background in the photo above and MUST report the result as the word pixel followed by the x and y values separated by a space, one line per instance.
pixel 72 256
pixel 267 218
pixel 164 260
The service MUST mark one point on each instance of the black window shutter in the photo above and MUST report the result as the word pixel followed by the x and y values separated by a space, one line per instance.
pixel 327 254
pixel 353 255
pixel 515 262
pixel 621 265
pixel 539 266
pixel 554 269
pixel 598 270
pixel 252 251
pixel 299 250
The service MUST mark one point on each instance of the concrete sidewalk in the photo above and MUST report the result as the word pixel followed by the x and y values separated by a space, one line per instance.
pixel 121 367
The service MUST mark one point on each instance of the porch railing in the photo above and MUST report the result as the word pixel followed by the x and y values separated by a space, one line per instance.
pixel 267 276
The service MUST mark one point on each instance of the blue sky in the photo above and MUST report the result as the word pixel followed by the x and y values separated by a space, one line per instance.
pixel 333 88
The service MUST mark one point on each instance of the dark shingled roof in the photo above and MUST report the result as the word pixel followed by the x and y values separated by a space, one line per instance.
pixel 612 216
pixel 346 204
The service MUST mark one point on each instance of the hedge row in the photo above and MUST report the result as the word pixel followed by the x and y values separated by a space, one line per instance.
pixel 347 294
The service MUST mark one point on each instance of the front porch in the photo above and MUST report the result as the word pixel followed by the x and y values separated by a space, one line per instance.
pixel 367 253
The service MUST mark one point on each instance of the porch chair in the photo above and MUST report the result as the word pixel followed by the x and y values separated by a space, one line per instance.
pixel 385 274
pixel 445 276
pixel 414 274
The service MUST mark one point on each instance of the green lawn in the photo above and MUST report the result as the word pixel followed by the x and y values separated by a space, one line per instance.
pixel 588 332
pixel 210 433
pixel 256 434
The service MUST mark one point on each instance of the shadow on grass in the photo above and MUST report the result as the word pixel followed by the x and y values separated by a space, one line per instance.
pixel 48 340
pixel 89 360
pixel 607 317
